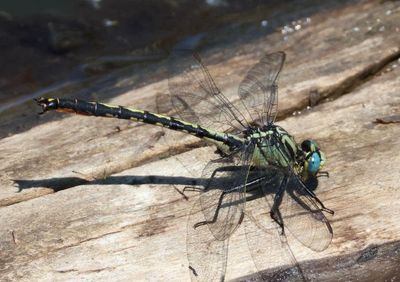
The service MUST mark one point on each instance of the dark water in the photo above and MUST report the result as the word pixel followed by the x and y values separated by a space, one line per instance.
pixel 26 8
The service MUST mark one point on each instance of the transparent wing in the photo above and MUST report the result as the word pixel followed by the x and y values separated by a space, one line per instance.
pixel 301 214
pixel 304 218
pixel 258 91
pixel 177 141
pixel 195 96
pixel 216 215
pixel 223 199
pixel 207 256
pixel 268 247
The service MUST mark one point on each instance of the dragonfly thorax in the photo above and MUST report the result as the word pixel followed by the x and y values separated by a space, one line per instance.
pixel 271 145
pixel 255 133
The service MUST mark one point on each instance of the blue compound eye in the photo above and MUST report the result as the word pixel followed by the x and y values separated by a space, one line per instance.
pixel 314 163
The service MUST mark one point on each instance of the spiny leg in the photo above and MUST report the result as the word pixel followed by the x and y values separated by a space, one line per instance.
pixel 226 168
pixel 323 174
pixel 181 192
pixel 230 168
pixel 198 224
pixel 220 169
pixel 192 189
pixel 312 194
pixel 214 219
pixel 275 213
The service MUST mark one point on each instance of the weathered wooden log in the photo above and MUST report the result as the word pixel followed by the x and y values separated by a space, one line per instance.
pixel 59 225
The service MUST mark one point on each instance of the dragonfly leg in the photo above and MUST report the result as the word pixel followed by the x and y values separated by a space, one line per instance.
pixel 226 168
pixel 323 208
pixel 191 189
pixel 188 189
pixel 182 193
pixel 275 212
pixel 201 223
pixel 323 174
pixel 221 169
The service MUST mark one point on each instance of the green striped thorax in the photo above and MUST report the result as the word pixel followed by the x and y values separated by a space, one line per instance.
pixel 275 146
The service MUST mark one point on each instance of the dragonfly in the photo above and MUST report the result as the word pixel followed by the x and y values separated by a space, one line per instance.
pixel 259 177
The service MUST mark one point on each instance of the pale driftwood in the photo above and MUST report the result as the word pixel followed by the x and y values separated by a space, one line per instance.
pixel 120 231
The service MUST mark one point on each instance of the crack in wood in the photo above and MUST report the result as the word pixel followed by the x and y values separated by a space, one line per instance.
pixel 354 82
pixel 87 240
pixel 96 270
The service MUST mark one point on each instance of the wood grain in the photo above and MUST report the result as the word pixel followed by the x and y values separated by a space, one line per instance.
pixel 57 225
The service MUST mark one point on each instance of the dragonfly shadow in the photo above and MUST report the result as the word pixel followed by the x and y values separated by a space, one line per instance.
pixel 62 183
pixel 198 183
pixel 258 186
pixel 272 176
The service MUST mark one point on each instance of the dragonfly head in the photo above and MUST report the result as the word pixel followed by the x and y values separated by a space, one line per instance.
pixel 314 159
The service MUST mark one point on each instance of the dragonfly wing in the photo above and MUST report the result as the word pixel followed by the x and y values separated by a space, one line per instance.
pixel 301 214
pixel 268 247
pixel 207 257
pixel 195 96
pixel 303 217
pixel 224 195
pixel 258 91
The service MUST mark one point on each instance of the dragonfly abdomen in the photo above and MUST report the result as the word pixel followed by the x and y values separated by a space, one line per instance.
pixel 111 111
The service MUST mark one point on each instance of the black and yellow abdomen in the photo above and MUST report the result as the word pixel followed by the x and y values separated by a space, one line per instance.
pixel 105 110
